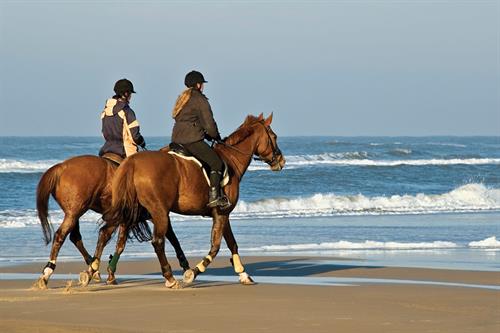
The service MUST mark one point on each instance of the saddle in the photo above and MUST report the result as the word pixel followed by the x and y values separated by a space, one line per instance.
pixel 179 151
pixel 115 158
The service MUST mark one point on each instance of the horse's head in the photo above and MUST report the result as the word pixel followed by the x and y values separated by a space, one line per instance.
pixel 266 147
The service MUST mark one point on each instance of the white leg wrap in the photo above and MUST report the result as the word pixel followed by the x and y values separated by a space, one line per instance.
pixel 243 276
pixel 238 266
pixel 95 264
pixel 202 267
pixel 47 272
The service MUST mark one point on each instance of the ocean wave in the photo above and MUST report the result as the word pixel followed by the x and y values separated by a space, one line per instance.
pixel 347 245
pixel 25 166
pixel 334 159
pixel 374 245
pixel 490 242
pixel 357 158
pixel 401 151
pixel 28 217
pixel 447 144
pixel 466 198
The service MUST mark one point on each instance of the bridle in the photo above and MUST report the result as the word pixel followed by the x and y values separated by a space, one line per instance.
pixel 275 150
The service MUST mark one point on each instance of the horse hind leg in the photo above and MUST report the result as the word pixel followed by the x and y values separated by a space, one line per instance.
pixel 120 246
pixel 161 224
pixel 60 235
pixel 238 267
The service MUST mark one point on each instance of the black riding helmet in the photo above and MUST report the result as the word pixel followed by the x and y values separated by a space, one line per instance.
pixel 123 86
pixel 192 78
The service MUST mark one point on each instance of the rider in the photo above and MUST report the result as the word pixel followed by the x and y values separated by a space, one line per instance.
pixel 120 128
pixel 194 122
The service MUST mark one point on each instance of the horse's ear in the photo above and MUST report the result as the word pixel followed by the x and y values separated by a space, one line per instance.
pixel 269 120
pixel 261 117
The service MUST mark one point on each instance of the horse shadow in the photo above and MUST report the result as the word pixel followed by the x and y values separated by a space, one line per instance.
pixel 294 267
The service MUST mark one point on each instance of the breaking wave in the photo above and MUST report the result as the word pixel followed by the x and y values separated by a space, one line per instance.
pixel 24 166
pixel 490 242
pixel 466 198
pixel 362 160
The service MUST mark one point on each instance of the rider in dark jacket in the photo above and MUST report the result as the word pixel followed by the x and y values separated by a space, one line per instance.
pixel 194 122
pixel 120 127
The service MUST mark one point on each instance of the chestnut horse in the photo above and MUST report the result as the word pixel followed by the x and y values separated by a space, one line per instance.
pixel 79 184
pixel 163 183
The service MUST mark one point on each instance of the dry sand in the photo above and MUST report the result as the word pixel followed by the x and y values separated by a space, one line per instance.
pixel 145 305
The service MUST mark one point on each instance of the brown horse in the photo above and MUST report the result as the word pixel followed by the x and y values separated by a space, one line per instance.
pixel 79 184
pixel 163 183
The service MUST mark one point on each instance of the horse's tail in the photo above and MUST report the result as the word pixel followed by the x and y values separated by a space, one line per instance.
pixel 45 188
pixel 125 207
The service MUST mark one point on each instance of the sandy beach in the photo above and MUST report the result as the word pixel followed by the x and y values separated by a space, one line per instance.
pixel 360 302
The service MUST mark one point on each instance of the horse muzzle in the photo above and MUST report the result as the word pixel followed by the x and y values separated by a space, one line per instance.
pixel 279 165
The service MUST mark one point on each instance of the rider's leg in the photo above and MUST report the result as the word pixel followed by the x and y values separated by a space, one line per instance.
pixel 203 152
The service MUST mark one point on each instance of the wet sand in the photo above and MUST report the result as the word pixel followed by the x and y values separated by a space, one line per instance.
pixel 222 305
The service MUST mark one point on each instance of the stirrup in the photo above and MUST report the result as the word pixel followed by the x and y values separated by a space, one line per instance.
pixel 221 202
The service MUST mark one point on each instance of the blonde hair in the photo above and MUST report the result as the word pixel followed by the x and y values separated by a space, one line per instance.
pixel 181 101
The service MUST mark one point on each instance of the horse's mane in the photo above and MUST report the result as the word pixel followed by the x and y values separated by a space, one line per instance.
pixel 243 131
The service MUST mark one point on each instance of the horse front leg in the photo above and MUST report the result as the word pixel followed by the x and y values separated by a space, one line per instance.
pixel 219 222
pixel 244 278
pixel 105 234
pixel 120 246
pixel 172 238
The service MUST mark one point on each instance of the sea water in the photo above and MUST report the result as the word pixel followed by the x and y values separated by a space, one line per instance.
pixel 412 201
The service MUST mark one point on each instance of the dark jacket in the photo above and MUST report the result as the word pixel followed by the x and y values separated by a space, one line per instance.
pixel 195 121
pixel 120 129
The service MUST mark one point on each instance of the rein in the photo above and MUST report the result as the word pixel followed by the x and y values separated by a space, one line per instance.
pixel 276 151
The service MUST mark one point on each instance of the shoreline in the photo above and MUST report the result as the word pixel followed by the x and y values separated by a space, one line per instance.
pixel 220 305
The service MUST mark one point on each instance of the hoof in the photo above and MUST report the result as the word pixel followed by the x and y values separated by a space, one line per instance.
pixel 173 285
pixel 40 284
pixel 96 277
pixel 188 276
pixel 111 282
pixel 246 280
pixel 84 279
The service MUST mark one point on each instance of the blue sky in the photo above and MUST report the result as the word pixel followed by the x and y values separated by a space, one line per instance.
pixel 323 67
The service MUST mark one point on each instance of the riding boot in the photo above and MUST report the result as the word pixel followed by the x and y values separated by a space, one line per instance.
pixel 216 197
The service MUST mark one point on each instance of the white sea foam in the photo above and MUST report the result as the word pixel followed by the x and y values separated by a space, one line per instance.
pixel 25 166
pixel 347 245
pixel 447 144
pixel 466 198
pixel 335 159
pixel 360 158
pixel 28 217
pixel 490 242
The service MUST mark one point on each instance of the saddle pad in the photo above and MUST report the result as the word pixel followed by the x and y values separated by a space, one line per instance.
pixel 225 175
pixel 113 158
